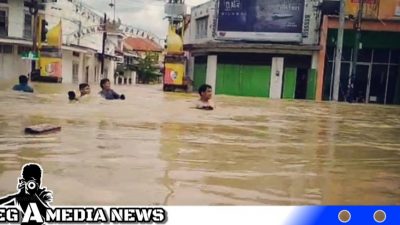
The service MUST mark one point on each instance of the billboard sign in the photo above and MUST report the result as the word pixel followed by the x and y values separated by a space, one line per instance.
pixel 261 20
pixel 371 8
pixel 174 73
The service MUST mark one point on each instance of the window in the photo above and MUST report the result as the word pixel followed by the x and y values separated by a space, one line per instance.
pixel 3 22
pixel 201 27
pixel 6 49
pixel 22 49
pixel 75 73
pixel 28 26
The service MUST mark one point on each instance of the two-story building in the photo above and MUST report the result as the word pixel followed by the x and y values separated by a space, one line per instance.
pixel 377 77
pixel 81 34
pixel 255 48
pixel 286 49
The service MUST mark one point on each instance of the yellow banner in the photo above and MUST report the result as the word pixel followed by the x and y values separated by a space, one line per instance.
pixel 54 36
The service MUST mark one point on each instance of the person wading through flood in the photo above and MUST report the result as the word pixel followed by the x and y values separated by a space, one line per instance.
pixel 23 85
pixel 108 93
pixel 84 90
pixel 205 102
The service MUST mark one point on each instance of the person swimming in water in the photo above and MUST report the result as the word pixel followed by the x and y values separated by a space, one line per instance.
pixel 205 102
pixel 108 93
pixel 23 85
pixel 84 90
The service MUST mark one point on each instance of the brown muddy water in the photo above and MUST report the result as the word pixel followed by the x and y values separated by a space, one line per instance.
pixel 154 148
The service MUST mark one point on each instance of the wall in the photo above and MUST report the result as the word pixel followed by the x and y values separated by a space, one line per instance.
pixel 67 66
pixel 276 77
pixel 15 18
pixel 71 14
pixel 91 62
pixel 81 67
pixel 11 65
pixel 110 66
pixel 206 9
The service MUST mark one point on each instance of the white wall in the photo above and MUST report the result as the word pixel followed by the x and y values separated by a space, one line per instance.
pixel 11 65
pixel 15 17
pixel 81 67
pixel 206 9
pixel 67 66
pixel 211 77
pixel 68 13
pixel 276 81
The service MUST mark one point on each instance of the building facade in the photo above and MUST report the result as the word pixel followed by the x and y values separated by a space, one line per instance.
pixel 263 57
pixel 81 35
pixel 238 58
pixel 377 77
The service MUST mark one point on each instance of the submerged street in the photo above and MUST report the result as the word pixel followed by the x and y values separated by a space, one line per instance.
pixel 154 148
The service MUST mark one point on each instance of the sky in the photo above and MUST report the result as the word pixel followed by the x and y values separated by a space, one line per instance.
pixel 144 14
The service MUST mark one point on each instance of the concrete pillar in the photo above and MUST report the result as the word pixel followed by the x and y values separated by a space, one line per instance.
pixel 190 67
pixel 211 77
pixel 321 60
pixel 276 78
pixel 314 60
pixel 134 76
pixel 112 66
pixel 81 67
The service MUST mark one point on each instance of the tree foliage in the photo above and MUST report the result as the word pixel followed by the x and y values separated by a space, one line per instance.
pixel 147 68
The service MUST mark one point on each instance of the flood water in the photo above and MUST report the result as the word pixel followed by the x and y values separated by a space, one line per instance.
pixel 154 149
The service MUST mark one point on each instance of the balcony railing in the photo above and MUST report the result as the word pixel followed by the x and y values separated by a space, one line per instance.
pixel 175 9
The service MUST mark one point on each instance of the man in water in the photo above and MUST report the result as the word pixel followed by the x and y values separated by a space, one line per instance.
pixel 84 90
pixel 23 85
pixel 205 92
pixel 108 93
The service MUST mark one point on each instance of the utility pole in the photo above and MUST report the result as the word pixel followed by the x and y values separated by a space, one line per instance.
pixel 33 10
pixel 357 28
pixel 104 44
pixel 339 48
pixel 114 8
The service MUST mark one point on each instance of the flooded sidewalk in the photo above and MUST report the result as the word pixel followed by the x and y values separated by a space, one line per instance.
pixel 154 148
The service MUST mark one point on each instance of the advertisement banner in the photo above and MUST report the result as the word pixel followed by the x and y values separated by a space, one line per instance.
pixel 280 20
pixel 371 8
pixel 50 67
pixel 174 74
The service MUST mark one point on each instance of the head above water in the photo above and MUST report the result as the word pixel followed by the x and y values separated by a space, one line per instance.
pixel 105 84
pixel 84 88
pixel 23 79
pixel 205 92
